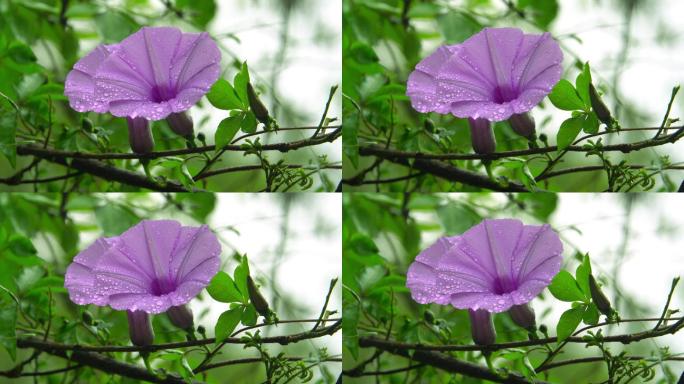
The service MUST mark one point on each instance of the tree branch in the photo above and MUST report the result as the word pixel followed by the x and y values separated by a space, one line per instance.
pixel 449 172
pixel 453 365
pixel 30 149
pixel 255 167
pixel 597 168
pixel 624 339
pixel 106 364
pixel 601 358
pixel 377 150
pixel 255 360
pixel 33 342
pixel 107 172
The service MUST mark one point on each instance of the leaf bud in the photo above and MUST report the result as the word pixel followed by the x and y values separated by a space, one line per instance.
pixel 255 297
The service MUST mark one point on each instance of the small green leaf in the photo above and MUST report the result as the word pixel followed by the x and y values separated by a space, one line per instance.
pixel 565 288
pixel 568 132
pixel 591 123
pixel 591 316
pixel 240 82
pixel 223 96
pixel 240 276
pixel 227 323
pixel 249 125
pixel 227 130
pixel 249 317
pixel 568 322
pixel 582 84
pixel 582 275
pixel 565 97
pixel 222 288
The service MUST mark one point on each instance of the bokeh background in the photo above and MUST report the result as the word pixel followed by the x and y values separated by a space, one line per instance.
pixel 292 48
pixel 292 242
pixel 633 47
pixel 633 241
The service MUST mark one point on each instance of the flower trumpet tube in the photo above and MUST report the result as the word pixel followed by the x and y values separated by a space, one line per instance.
pixel 140 135
pixel 140 328
pixel 482 136
pixel 482 327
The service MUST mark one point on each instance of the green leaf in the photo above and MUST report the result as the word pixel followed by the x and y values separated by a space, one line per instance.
pixel 223 96
pixel 565 97
pixel 8 322
pixel 249 317
pixel 227 323
pixel 582 275
pixel 249 125
pixel 568 322
pixel 240 276
pixel 582 84
pixel 591 316
pixel 568 131
pixel 565 288
pixel 222 288
pixel 240 82
pixel 227 130
pixel 591 123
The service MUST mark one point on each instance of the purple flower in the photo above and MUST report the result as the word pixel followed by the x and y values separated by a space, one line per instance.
pixel 495 266
pixel 492 75
pixel 155 73
pixel 153 266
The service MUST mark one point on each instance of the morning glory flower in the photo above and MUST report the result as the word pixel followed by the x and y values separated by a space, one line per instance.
pixel 496 266
pixel 494 75
pixel 155 266
pixel 156 73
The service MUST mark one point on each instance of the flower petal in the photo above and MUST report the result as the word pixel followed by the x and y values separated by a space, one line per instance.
pixel 79 279
pixel 195 63
pixel 538 63
pixel 196 255
pixel 421 86
pixel 79 86
pixel 152 242
pixel 538 255
pixel 491 52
